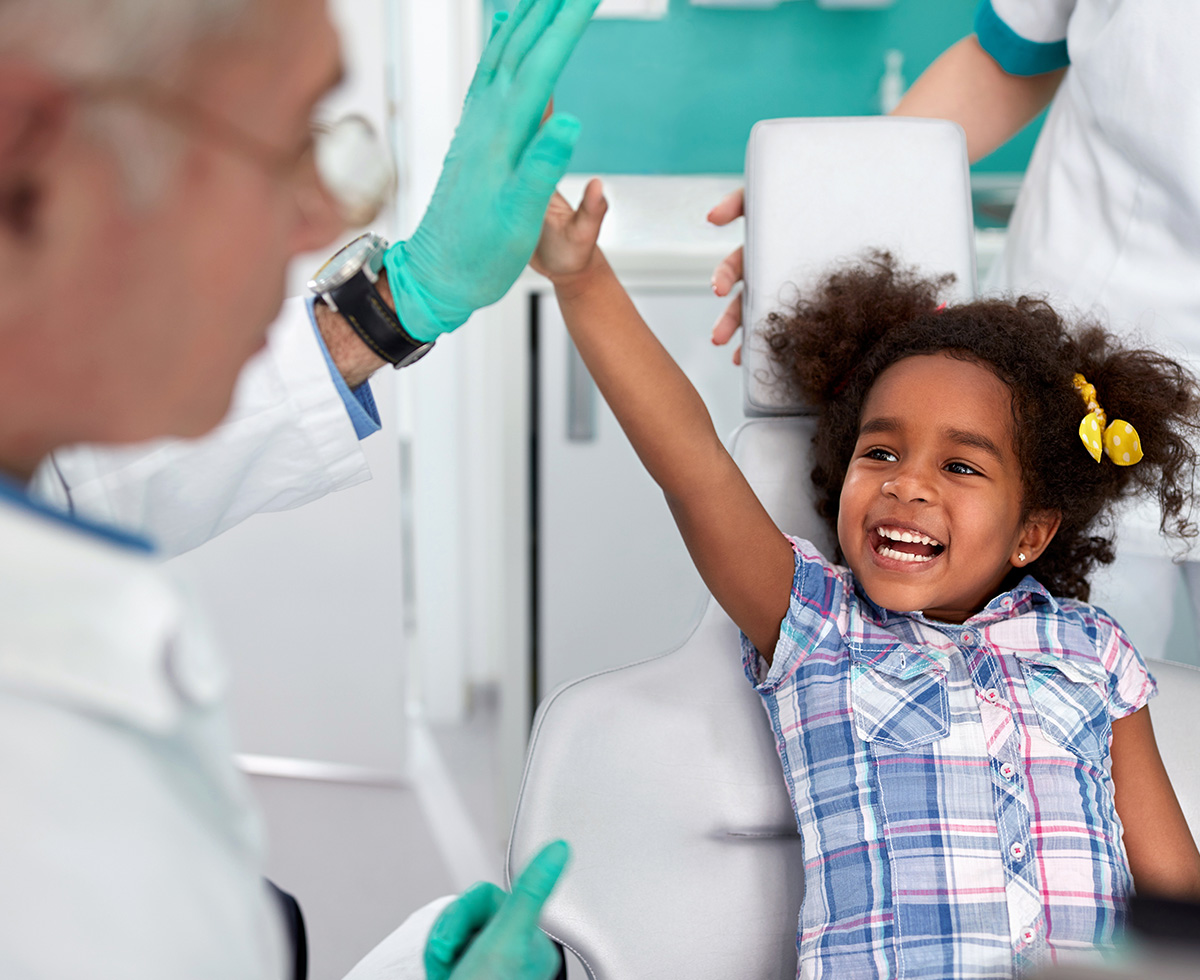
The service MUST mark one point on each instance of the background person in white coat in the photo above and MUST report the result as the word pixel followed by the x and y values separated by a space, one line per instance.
pixel 1108 218
pixel 156 174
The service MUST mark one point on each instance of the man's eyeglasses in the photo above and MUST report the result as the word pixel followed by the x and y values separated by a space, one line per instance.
pixel 345 160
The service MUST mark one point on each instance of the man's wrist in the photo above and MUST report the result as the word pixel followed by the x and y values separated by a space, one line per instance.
pixel 355 361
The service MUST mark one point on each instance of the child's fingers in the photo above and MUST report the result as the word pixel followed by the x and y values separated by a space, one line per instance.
pixel 730 207
pixel 729 273
pixel 592 209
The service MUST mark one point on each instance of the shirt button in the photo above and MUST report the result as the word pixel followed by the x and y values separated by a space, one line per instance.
pixel 1008 770
pixel 991 695
pixel 1029 935
pixel 967 638
pixel 1017 850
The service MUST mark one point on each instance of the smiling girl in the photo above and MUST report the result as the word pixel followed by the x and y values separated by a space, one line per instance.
pixel 965 740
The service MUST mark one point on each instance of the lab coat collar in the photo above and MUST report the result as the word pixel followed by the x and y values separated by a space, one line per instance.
pixel 92 623
pixel 13 493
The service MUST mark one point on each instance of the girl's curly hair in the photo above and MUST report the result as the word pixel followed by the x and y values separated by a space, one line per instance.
pixel 834 344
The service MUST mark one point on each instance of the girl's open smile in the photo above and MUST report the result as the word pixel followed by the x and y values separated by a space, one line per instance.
pixel 903 545
pixel 929 471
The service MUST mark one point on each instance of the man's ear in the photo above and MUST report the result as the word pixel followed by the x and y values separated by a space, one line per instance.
pixel 1039 530
pixel 33 115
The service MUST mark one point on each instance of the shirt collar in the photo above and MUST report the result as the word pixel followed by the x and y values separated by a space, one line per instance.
pixel 893 642
pixel 15 494
pixel 1028 591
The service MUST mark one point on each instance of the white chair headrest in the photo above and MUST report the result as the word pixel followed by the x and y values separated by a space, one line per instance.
pixel 822 192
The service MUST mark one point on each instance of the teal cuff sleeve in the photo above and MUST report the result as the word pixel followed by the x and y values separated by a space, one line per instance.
pixel 1013 53
pixel 360 403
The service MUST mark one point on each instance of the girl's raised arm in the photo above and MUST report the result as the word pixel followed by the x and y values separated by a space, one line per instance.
pixel 743 558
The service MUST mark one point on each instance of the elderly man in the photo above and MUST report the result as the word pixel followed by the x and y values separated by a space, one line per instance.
pixel 156 174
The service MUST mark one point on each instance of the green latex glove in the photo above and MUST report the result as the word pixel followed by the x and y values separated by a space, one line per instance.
pixel 504 163
pixel 488 934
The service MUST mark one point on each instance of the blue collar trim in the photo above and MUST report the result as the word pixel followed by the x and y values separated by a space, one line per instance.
pixel 13 493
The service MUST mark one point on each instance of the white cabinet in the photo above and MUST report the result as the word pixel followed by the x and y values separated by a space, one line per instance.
pixel 614 582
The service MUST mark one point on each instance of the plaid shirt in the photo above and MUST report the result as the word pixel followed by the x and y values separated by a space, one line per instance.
pixel 951 782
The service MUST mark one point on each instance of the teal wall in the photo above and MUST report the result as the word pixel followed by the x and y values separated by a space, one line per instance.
pixel 679 95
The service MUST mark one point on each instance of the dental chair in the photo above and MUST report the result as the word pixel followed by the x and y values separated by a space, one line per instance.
pixel 663 775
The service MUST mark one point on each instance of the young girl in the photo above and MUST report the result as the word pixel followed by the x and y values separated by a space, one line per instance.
pixel 964 739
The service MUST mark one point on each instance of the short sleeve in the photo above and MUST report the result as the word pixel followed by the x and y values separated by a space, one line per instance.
pixel 1025 37
pixel 1130 684
pixel 817 594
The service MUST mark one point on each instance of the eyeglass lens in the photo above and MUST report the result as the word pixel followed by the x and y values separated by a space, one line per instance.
pixel 354 165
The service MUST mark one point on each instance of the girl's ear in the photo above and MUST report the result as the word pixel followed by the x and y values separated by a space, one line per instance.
pixel 1040 528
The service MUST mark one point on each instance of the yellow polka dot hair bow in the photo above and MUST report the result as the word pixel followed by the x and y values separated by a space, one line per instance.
pixel 1119 439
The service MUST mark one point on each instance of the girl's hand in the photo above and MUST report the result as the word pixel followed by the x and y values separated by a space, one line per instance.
pixel 568 243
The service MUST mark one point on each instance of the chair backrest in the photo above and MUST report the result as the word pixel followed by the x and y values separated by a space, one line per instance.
pixel 822 191
pixel 663 775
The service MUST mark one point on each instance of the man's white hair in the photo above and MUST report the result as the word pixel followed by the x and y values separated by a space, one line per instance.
pixel 88 38
pixel 99 39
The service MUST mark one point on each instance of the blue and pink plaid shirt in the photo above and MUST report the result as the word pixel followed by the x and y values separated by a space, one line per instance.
pixel 951 782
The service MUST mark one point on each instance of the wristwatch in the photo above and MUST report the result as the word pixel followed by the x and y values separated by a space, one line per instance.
pixel 346 284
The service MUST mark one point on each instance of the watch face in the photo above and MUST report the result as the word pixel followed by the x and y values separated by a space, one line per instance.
pixel 346 263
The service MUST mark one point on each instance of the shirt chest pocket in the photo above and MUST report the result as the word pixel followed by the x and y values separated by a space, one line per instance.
pixel 1071 699
pixel 896 707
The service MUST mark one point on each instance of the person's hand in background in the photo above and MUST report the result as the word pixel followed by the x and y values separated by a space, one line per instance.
pixel 729 273
pixel 488 934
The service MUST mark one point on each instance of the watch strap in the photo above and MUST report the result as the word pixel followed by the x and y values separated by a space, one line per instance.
pixel 375 322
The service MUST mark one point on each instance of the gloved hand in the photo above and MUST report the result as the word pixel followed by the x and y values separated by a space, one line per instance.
pixel 486 213
pixel 490 935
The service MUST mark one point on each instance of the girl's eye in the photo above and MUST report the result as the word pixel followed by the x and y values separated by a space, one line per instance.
pixel 962 468
pixel 886 455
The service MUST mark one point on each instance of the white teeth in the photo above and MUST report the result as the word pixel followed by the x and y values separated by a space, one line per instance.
pixel 903 555
pixel 908 537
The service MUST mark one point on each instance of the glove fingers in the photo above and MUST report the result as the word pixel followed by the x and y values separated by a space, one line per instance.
pixel 502 28
pixel 543 165
pixel 458 924
pixel 498 21
pixel 540 69
pixel 523 908
pixel 528 34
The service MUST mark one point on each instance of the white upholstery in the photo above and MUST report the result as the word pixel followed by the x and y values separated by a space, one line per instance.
pixel 821 191
pixel 1174 713
pixel 664 778
pixel 663 775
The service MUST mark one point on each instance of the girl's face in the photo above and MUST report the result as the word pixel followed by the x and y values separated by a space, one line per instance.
pixel 930 513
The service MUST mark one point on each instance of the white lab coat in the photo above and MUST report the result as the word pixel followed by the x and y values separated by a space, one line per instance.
pixel 1108 218
pixel 286 441
pixel 129 846
pixel 1108 223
